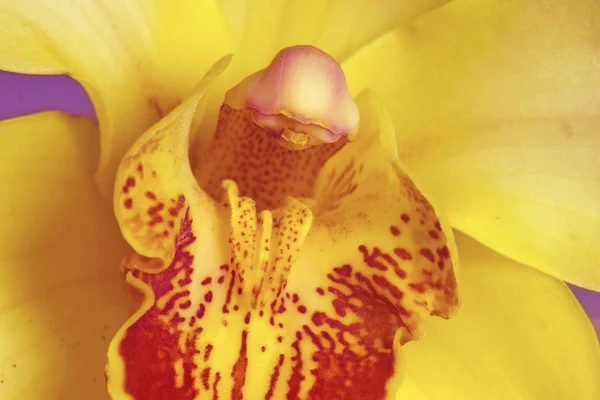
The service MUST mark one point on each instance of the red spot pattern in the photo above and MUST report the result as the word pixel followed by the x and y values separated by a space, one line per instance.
pixel 354 373
pixel 379 260
pixel 144 200
pixel 262 169
pixel 368 299
pixel 208 297
pixel 340 184
pixel 369 304
pixel 179 204
pixel 403 254
pixel 297 373
pixel 428 254
pixel 274 377
pixel 434 234
pixel 149 349
pixel 129 183
pixel 239 369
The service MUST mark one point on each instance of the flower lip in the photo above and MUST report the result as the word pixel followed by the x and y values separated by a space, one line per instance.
pixel 305 89
pixel 262 297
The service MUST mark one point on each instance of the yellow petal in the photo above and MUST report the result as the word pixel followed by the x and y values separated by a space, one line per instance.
pixel 496 105
pixel 519 334
pixel 136 59
pixel 267 296
pixel 61 295
pixel 336 26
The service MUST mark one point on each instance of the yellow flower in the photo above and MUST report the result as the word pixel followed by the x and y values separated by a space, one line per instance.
pixel 489 106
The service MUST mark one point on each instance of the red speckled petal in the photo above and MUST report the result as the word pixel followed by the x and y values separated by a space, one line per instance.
pixel 155 187
pixel 364 196
pixel 380 262
pixel 155 199
pixel 268 296
pixel 246 153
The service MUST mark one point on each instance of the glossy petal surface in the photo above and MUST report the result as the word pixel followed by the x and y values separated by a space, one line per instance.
pixel 136 59
pixel 61 297
pixel 519 334
pixel 495 106
pixel 260 295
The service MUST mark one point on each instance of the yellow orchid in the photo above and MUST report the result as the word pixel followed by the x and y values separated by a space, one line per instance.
pixel 290 208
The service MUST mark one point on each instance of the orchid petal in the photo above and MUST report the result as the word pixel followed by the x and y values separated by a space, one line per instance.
pixel 61 297
pixel 495 106
pixel 136 59
pixel 519 334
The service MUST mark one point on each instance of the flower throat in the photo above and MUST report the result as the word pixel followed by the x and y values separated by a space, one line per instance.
pixel 278 127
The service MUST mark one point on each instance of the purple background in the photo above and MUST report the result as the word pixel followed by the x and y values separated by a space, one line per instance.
pixel 24 94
